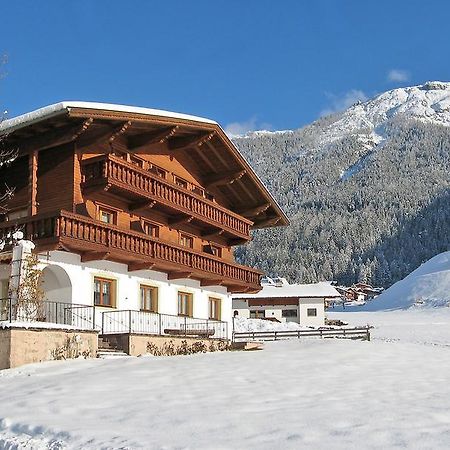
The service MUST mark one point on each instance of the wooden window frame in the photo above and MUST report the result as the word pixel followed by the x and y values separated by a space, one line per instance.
pixel 156 170
pixel 213 249
pixel 145 223
pixel 190 304
pixel 218 308
pixel 136 160
pixel 100 207
pixel 310 313
pixel 154 301
pixel 188 237
pixel 113 291
pixel 181 182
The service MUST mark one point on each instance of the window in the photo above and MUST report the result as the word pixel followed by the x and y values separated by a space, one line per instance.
pixel 136 161
pixel 185 304
pixel 149 298
pixel 4 288
pixel 289 313
pixel 214 308
pixel 104 292
pixel 157 171
pixel 257 314
pixel 186 241
pixel 150 229
pixel 213 250
pixel 180 182
pixel 107 216
pixel 198 190
pixel 311 312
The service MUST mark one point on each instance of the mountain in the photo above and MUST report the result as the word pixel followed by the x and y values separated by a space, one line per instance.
pixel 367 190
pixel 428 285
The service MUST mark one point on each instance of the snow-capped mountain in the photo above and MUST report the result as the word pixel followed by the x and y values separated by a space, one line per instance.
pixel 429 103
pixel 367 189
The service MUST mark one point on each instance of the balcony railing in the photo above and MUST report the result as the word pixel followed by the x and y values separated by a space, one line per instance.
pixel 84 234
pixel 143 322
pixel 117 172
pixel 77 316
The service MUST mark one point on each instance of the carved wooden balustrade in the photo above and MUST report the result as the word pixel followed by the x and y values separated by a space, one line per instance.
pixel 83 235
pixel 112 170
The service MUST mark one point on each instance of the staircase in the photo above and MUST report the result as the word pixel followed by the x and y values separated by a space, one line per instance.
pixel 108 350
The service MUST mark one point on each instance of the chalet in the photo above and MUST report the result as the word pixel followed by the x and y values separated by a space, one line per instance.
pixel 284 302
pixel 133 209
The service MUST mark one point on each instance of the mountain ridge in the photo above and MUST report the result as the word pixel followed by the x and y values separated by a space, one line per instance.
pixel 349 184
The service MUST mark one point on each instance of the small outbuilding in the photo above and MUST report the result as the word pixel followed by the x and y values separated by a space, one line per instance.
pixel 278 300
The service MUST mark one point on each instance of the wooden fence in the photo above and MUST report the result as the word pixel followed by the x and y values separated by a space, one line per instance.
pixel 362 333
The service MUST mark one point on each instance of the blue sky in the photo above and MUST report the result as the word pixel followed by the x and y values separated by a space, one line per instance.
pixel 247 64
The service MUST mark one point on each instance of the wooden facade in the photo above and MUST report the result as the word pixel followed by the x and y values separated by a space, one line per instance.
pixel 152 191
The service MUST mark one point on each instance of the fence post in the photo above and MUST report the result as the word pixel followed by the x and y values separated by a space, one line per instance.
pixel 159 321
pixel 93 318
pixel 368 333
pixel 103 322
pixel 185 325
pixel 10 309
pixel 321 334
pixel 129 321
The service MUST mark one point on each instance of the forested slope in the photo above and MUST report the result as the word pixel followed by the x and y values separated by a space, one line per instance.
pixel 368 193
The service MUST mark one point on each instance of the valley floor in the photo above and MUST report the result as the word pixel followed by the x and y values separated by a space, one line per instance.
pixel 391 392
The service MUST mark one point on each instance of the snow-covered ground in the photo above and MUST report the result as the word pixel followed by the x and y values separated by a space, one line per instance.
pixel 391 392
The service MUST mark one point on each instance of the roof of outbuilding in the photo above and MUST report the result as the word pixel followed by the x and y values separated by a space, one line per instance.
pixel 323 289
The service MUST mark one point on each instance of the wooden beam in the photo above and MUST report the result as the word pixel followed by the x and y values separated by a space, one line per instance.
pixel 255 211
pixel 119 131
pixel 207 282
pixel 178 144
pixel 132 267
pixel 94 256
pixel 152 137
pixel 146 204
pixel 48 139
pixel 86 124
pixel 210 233
pixel 237 241
pixel 178 275
pixel 221 179
pixel 104 135
pixel 32 184
pixel 272 221
pixel 180 219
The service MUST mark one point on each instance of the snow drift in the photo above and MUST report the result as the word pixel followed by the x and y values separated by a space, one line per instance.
pixel 427 286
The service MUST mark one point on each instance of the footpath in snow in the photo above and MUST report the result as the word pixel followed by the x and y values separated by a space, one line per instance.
pixel 392 392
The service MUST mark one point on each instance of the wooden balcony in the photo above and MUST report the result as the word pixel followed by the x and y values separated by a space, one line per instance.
pixel 142 187
pixel 96 240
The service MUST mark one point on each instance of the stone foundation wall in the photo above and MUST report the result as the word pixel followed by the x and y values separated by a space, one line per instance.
pixel 19 346
pixel 141 344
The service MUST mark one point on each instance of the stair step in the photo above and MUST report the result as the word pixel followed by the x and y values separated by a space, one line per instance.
pixel 111 354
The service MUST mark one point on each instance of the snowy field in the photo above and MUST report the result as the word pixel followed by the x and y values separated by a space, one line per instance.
pixel 392 392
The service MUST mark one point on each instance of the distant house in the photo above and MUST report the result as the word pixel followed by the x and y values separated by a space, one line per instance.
pixel 279 300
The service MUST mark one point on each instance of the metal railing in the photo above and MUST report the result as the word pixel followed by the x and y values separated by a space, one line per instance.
pixel 143 322
pixel 362 333
pixel 78 316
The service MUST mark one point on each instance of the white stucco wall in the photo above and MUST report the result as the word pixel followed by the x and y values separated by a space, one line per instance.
pixel 81 276
pixel 244 311
pixel 319 304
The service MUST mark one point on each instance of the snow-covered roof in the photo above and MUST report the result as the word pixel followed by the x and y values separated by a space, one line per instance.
pixel 322 289
pixel 58 108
